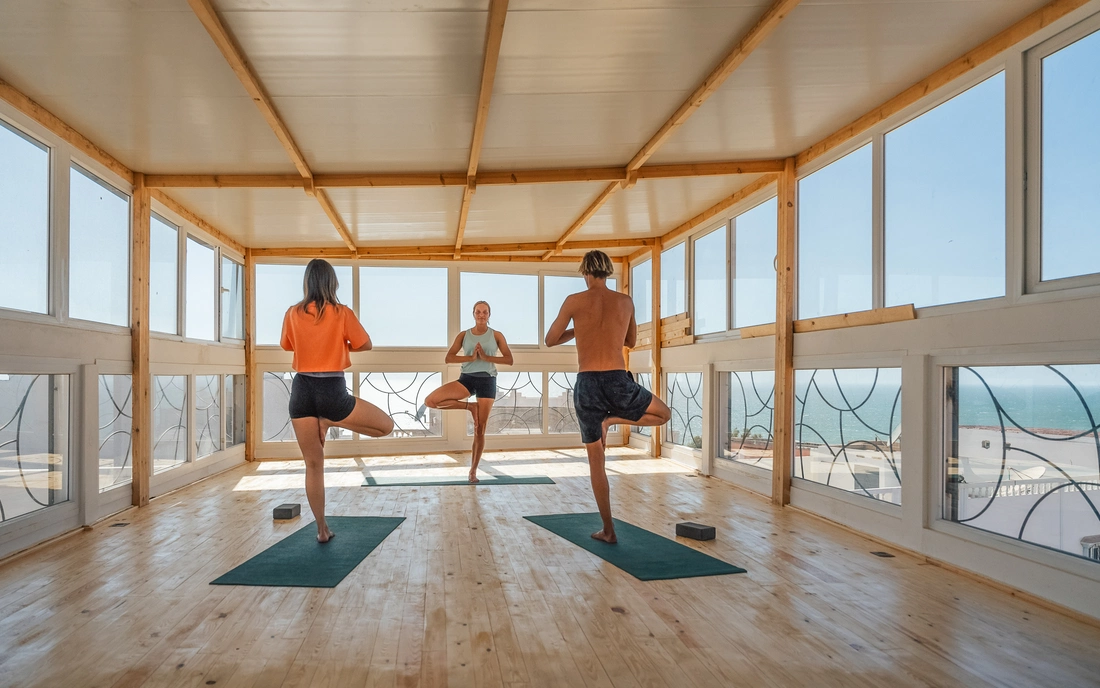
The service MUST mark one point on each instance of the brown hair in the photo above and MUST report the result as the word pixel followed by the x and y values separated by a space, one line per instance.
pixel 597 264
pixel 319 286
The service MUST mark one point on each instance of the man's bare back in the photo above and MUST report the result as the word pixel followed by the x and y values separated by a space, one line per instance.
pixel 603 323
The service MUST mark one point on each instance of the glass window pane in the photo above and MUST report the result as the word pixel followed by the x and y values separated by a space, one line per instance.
pixel 99 251
pixel 555 289
pixel 276 408
pixel 673 284
pixel 513 304
pixel 25 231
pixel 710 283
pixel 945 201
pixel 169 421
pixel 232 299
pixel 685 400
pixel 1071 160
pixel 278 287
pixel 208 422
pixel 404 306
pixel 834 237
pixel 115 426
pixel 1021 453
pixel 200 297
pixel 234 396
pixel 163 267
pixel 641 290
pixel 848 430
pixel 754 243
pixel 749 407
pixel 34 456
pixel 518 407
pixel 402 395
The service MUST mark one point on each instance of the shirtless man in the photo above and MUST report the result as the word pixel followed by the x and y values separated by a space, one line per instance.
pixel 605 393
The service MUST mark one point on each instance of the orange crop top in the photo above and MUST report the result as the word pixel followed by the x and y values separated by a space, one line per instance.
pixel 321 346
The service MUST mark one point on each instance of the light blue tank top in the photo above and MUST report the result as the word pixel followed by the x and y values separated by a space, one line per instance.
pixel 488 343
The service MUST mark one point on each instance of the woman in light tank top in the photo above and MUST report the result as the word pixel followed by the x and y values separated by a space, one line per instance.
pixel 482 348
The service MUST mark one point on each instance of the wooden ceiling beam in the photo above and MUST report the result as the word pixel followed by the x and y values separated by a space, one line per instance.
pixel 238 62
pixel 751 40
pixel 485 178
pixel 973 59
pixel 52 122
pixel 335 217
pixel 718 208
pixel 443 250
pixel 494 34
pixel 585 216
pixel 200 222
pixel 245 74
pixel 740 52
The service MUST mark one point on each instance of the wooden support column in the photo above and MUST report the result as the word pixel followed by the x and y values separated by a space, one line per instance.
pixel 141 430
pixel 784 339
pixel 251 383
pixel 655 348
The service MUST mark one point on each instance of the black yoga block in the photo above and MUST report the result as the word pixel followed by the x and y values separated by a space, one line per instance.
pixel 285 511
pixel 695 531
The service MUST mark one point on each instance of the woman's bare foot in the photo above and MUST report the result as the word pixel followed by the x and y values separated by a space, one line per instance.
pixel 325 535
pixel 472 408
pixel 605 536
pixel 473 477
pixel 323 426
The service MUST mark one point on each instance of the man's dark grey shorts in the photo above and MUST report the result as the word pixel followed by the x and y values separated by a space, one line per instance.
pixel 601 394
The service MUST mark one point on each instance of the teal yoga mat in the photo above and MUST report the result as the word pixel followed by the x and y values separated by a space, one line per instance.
pixel 642 554
pixel 299 561
pixel 407 481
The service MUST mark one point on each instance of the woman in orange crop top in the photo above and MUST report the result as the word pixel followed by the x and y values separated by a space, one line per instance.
pixel 321 332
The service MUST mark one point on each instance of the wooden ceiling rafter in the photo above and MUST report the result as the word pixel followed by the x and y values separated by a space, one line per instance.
pixel 241 67
pixel 494 34
pixel 763 28
pixel 439 179
pixel 972 59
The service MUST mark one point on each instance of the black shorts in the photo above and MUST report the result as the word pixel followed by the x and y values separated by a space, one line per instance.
pixel 598 395
pixel 320 397
pixel 482 386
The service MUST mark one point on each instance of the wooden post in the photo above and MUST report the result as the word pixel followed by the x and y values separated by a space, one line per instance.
pixel 784 339
pixel 655 348
pixel 141 431
pixel 250 382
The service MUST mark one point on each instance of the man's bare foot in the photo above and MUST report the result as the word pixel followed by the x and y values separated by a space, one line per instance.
pixel 605 536
pixel 473 477
pixel 327 535
pixel 603 436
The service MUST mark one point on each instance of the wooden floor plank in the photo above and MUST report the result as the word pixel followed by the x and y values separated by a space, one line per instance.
pixel 467 593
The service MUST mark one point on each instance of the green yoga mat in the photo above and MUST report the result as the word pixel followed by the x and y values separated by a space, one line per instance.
pixel 299 561
pixel 642 554
pixel 407 481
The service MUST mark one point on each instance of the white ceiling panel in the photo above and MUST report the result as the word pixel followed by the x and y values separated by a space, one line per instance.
pixel 426 216
pixel 370 90
pixel 528 212
pixel 654 206
pixel 263 218
pixel 830 62
pixel 142 80
pixel 591 86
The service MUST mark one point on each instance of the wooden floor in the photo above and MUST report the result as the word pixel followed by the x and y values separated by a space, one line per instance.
pixel 467 593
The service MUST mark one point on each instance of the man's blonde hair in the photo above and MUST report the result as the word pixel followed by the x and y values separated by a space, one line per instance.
pixel 597 264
